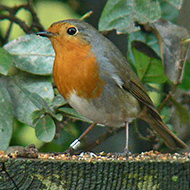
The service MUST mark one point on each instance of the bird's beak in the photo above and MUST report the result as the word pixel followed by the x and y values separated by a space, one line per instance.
pixel 45 34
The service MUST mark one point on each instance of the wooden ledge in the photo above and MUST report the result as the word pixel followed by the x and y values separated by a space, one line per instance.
pixel 150 171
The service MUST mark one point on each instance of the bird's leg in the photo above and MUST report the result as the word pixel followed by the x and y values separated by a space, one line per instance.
pixel 126 150
pixel 77 142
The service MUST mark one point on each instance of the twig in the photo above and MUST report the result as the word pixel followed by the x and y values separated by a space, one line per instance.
pixel 109 133
pixel 16 20
pixel 88 14
pixel 11 16
pixel 6 38
pixel 185 41
pixel 140 135
pixel 60 125
pixel 36 22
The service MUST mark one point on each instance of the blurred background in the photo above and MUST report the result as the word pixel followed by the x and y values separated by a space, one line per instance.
pixel 48 12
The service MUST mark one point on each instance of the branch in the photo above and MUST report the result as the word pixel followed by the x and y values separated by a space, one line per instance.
pixel 11 16
pixel 99 141
pixel 16 20
pixel 36 22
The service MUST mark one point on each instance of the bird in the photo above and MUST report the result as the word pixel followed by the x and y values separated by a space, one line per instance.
pixel 96 79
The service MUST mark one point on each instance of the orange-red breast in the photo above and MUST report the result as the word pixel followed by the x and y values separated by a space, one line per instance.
pixel 98 82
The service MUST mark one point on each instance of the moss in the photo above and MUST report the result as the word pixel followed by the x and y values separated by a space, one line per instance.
pixel 148 183
pixel 175 178
pixel 47 182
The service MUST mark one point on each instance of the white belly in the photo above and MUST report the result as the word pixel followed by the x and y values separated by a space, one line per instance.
pixel 114 118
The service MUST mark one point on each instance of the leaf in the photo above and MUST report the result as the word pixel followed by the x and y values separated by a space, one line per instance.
pixel 36 115
pixel 182 112
pixel 122 14
pixel 32 54
pixel 6 61
pixel 45 128
pixel 170 37
pixel 140 36
pixel 24 101
pixel 38 101
pixel 73 114
pixel 41 85
pixel 6 117
pixel 22 105
pixel 169 15
pixel 176 3
pixel 58 101
pixel 149 69
pixel 186 80
pixel 166 112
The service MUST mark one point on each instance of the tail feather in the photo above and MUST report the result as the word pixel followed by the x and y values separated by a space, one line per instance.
pixel 171 140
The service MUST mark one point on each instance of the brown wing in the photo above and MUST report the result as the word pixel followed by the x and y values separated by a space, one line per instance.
pixel 116 64
pixel 140 94
pixel 156 122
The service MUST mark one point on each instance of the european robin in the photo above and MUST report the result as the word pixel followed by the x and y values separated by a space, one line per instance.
pixel 97 81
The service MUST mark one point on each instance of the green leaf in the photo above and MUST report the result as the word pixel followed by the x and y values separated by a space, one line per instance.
pixel 36 115
pixel 140 36
pixel 6 117
pixel 58 101
pixel 6 61
pixel 40 85
pixel 73 114
pixel 182 112
pixel 176 3
pixel 186 79
pixel 149 70
pixel 22 105
pixel 169 15
pixel 24 100
pixel 122 14
pixel 166 112
pixel 32 54
pixel 45 128
pixel 38 101
pixel 59 117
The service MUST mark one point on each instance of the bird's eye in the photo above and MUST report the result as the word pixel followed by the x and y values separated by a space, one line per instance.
pixel 72 31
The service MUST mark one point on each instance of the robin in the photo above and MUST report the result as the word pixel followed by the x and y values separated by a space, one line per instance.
pixel 97 81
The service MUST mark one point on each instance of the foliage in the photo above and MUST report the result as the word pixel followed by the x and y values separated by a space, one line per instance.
pixel 27 92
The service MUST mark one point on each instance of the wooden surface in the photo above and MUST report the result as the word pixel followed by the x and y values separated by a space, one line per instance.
pixel 86 172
